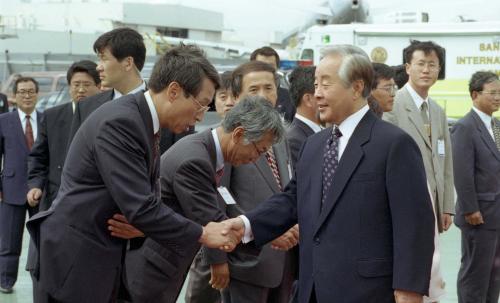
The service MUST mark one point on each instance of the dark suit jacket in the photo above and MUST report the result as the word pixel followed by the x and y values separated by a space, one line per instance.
pixel 188 187
pixel 251 184
pixel 284 104
pixel 13 154
pixel 296 136
pixel 476 164
pixel 46 159
pixel 88 105
pixel 375 232
pixel 4 104
pixel 110 168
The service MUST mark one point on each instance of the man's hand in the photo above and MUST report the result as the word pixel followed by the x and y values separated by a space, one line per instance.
pixel 446 219
pixel 219 276
pixel 120 228
pixel 474 218
pixel 403 296
pixel 34 196
pixel 221 235
pixel 287 240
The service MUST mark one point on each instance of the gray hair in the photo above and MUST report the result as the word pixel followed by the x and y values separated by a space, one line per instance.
pixel 256 116
pixel 355 65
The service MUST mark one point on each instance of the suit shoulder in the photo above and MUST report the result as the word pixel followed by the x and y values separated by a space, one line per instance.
pixel 387 131
pixel 94 100
pixel 57 109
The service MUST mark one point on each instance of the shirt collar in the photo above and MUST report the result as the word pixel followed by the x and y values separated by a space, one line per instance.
pixel 22 115
pixel 416 97
pixel 348 126
pixel 315 127
pixel 218 150
pixel 484 117
pixel 154 114
pixel 117 94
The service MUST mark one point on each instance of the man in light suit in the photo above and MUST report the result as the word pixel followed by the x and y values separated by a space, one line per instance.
pixel 190 175
pixel 121 54
pixel 425 121
pixel 18 131
pixel 268 275
pixel 112 167
pixel 306 121
pixel 359 195
pixel 476 146
pixel 49 151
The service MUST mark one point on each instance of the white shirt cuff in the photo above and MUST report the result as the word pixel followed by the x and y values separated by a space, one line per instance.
pixel 248 235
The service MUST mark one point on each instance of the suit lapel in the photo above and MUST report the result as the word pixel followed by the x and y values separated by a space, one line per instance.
pixel 148 122
pixel 304 127
pixel 351 157
pixel 280 152
pixel 414 116
pixel 434 118
pixel 17 128
pixel 266 173
pixel 212 151
pixel 485 134
pixel 316 177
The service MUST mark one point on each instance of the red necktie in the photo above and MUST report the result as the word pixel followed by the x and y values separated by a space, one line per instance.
pixel 274 168
pixel 29 133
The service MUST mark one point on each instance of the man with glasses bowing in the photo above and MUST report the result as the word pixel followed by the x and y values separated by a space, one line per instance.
pixel 425 121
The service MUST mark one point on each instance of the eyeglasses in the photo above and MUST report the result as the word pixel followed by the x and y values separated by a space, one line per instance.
pixel 389 89
pixel 492 93
pixel 26 92
pixel 84 85
pixel 430 65
pixel 202 108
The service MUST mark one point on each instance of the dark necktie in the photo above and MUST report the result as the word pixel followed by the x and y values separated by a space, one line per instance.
pixel 156 154
pixel 330 161
pixel 29 133
pixel 496 132
pixel 218 176
pixel 425 119
pixel 271 160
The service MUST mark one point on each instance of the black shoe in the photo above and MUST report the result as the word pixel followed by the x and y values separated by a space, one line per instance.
pixel 6 290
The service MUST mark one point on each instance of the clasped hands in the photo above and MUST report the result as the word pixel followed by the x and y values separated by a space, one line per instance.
pixel 225 235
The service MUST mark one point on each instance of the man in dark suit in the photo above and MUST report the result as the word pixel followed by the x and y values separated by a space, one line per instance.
pixel 476 149
pixel 306 121
pixel 361 206
pixel 4 104
pixel 283 103
pixel 49 151
pixel 112 167
pixel 190 176
pixel 18 131
pixel 268 275
pixel 122 54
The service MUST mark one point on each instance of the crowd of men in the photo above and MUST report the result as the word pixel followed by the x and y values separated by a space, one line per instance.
pixel 335 190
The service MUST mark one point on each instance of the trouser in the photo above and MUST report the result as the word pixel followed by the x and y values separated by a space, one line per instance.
pixel 198 289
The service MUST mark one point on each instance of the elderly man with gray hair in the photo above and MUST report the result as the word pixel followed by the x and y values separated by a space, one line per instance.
pixel 190 184
pixel 359 194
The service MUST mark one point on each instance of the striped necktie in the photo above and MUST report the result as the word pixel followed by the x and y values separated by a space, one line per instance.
pixel 496 132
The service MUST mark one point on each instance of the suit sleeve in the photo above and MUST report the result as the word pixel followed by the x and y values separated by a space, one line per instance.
pixel 449 189
pixel 413 220
pixel 120 157
pixel 463 146
pixel 38 160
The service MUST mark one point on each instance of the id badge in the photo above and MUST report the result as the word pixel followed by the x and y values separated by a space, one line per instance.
pixel 226 195
pixel 441 150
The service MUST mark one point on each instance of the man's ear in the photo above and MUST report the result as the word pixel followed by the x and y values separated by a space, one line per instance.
pixel 173 91
pixel 237 135
pixel 358 86
pixel 128 63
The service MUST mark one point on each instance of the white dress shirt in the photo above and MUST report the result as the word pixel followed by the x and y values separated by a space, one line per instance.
pixel 154 114
pixel 219 164
pixel 417 98
pixel 33 119
pixel 486 120
pixel 347 128
pixel 315 127
pixel 117 94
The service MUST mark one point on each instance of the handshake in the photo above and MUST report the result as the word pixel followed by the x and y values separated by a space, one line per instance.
pixel 225 235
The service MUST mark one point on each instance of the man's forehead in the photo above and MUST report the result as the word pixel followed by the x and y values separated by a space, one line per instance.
pixel 259 76
pixel 26 84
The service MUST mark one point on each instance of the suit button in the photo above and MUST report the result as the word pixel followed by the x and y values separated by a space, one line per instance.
pixel 58 166
pixel 316 240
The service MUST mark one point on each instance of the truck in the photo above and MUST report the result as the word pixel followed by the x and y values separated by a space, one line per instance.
pixel 469 47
